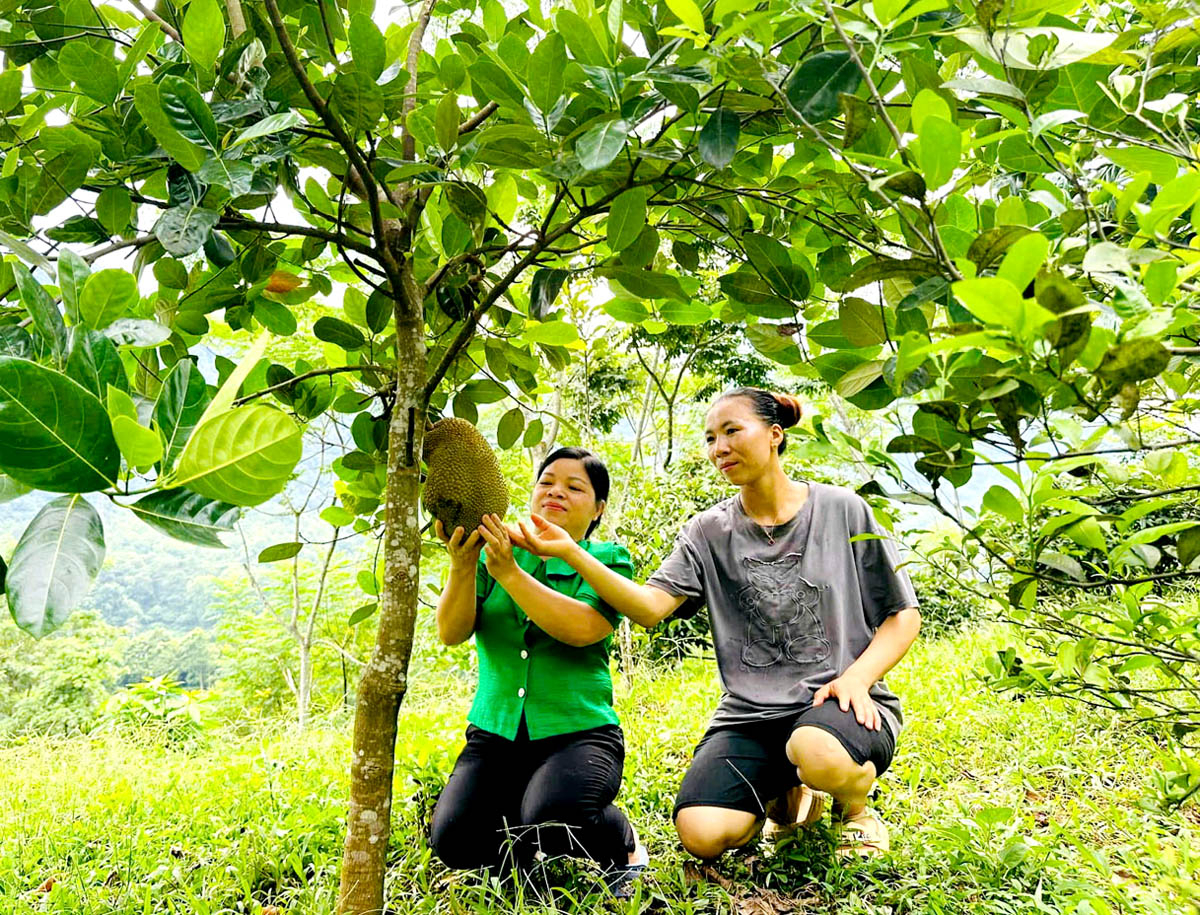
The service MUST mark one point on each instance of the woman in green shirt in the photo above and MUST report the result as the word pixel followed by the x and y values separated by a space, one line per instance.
pixel 544 750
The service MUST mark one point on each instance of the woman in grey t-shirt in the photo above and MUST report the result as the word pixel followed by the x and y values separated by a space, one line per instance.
pixel 809 610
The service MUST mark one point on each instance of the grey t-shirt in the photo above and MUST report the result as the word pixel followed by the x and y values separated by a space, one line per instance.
pixel 788 617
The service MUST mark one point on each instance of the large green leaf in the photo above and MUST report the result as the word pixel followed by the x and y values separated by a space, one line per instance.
pixel 774 264
pixel 54 564
pixel 106 296
pixel 73 272
pixel 601 144
pixel 543 290
pixel 626 219
pixel 546 67
pixel 94 362
pixel 188 112
pixel 367 46
pixel 719 137
pixel 204 33
pixel 244 456
pixel 646 284
pixel 54 434
pixel 149 105
pixel 47 320
pixel 815 86
pixel 187 516
pixel 941 147
pixel 339 333
pixel 93 72
pixel 182 229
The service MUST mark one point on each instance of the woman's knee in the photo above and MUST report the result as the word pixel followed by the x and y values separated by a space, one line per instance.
pixel 823 763
pixel 707 832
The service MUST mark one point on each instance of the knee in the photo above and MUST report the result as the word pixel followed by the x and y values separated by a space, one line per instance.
pixel 706 837
pixel 822 762
pixel 455 843
pixel 556 808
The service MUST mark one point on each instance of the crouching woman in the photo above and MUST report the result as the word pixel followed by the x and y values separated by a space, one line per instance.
pixel 545 752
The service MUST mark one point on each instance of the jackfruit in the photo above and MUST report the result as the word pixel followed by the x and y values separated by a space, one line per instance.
pixel 463 482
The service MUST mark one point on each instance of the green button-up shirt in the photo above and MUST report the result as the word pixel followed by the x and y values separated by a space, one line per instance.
pixel 522 670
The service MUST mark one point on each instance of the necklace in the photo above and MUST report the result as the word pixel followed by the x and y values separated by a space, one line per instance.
pixel 769 530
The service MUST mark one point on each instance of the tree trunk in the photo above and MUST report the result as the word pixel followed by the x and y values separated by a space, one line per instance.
pixel 385 678
pixel 304 687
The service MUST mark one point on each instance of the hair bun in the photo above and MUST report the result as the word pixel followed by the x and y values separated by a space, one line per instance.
pixel 789 408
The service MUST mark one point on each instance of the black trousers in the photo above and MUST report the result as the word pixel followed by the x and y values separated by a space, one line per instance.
pixel 508 799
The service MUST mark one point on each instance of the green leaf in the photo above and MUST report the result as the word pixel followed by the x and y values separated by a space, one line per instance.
pixel 187 111
pixel 137 332
pixel 581 40
pixel 187 516
pixel 10 489
pixel 941 148
pixel 547 65
pixel 1163 167
pixel 646 284
pixel 774 264
pixel 114 209
pixel 543 290
pixel 106 296
pixel 689 14
pixel 47 320
pixel 204 33
pixel 275 317
pixel 54 434
pixel 357 99
pixel 626 219
pixel 95 73
pixel 339 333
pixel 183 229
pixel 859 377
pixel 600 145
pixel 271 124
pixel 510 427
pixel 180 404
pixel 368 49
pixel 280 551
pixel 719 137
pixel 814 88
pixel 997 301
pixel 533 434
pixel 685 313
pixel 366 611
pixel 1134 360
pixel 141 447
pixel 73 272
pixel 552 333
pixel 445 122
pixel 244 456
pixel 93 361
pixel 54 564
pixel 1002 502
pixel 492 84
pixel 1024 259
pixel 861 322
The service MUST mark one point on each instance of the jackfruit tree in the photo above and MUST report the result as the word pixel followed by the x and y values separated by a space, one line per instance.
pixel 980 217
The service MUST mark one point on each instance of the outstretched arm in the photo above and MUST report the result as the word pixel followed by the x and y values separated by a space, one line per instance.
pixel 892 640
pixel 645 605
pixel 567 619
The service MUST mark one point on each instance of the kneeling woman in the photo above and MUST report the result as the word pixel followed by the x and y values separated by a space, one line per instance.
pixel 544 750
pixel 809 610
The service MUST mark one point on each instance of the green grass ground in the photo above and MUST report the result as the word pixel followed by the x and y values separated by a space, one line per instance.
pixel 997 805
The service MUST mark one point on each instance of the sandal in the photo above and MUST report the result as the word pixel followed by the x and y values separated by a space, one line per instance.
pixel 622 879
pixel 864 835
pixel 798 808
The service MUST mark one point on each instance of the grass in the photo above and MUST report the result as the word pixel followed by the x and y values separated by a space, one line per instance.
pixel 997 805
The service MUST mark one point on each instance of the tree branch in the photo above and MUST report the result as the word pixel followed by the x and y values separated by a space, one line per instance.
pixel 315 373
pixel 154 17
pixel 239 222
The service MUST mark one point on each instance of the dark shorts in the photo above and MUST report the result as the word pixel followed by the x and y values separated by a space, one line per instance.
pixel 743 767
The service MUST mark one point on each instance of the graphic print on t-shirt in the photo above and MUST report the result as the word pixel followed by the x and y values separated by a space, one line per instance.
pixel 780 606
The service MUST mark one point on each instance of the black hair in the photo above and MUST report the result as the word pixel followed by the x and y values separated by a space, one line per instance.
pixel 593 467
pixel 783 410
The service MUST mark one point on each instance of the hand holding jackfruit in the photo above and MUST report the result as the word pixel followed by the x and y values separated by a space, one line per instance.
pixel 463 482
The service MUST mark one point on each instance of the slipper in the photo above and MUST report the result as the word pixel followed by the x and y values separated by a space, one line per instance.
pixel 798 808
pixel 622 880
pixel 864 835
